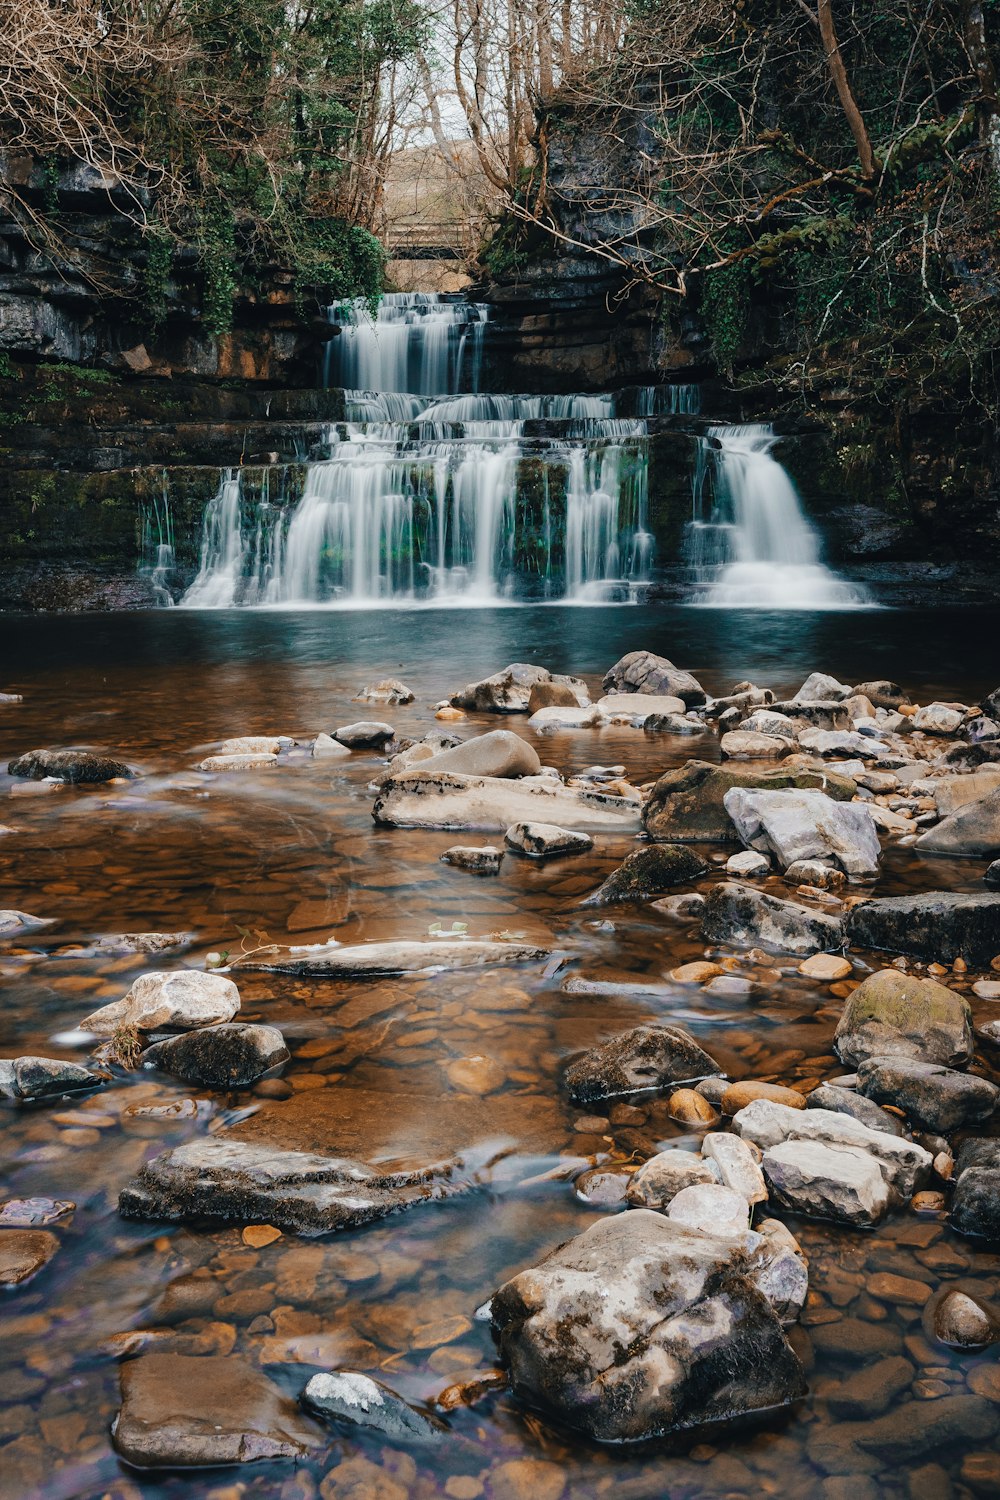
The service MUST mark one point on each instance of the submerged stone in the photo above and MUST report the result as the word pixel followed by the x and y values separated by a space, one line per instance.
pixel 23 1253
pixel 232 1181
pixel 184 1411
pixel 641 1326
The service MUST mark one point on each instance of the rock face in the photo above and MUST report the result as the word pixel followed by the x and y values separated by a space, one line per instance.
pixel 640 1326
pixel 642 672
pixel 648 872
pixel 687 803
pixel 380 959
pixel 648 1057
pixel 509 691
pixel 349 1397
pixel 740 915
pixel 797 825
pixel 542 840
pixel 827 1182
pixel 975 1207
pixel 28 1078
pixel 974 830
pixel 220 1057
pixel 892 1014
pixel 848 1102
pixel 235 1182
pixel 23 1253
pixel 935 1098
pixel 489 804
pixel 77 766
pixel 937 926
pixel 181 1411
pixel 169 1000
pixel 499 753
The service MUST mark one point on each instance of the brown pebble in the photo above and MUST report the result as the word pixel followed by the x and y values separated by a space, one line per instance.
pixel 526 1479
pixel 901 1290
pixel 691 1108
pixel 475 1075
pixel 930 1390
pixel 985 1381
pixel 259 1235
pixel 273 1088
pixel 739 1095
pixel 827 966
pixel 695 973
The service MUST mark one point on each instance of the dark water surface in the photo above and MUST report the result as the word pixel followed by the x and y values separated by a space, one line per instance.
pixel 293 850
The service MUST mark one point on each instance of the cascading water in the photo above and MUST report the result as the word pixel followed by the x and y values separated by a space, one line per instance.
pixel 750 544
pixel 434 491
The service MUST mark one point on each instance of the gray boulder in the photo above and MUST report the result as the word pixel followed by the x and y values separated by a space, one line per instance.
pixel 780 1270
pixel 76 766
pixel 972 831
pixel 490 804
pixel 806 825
pixel 639 1327
pixel 482 859
pixel 902 1164
pixel 819 685
pixel 975 1207
pixel 14 922
pixel 388 690
pixel 28 1078
pixel 662 1177
pixel 827 1181
pixel 358 1401
pixel 892 1014
pixel 642 672
pixel 230 1056
pixel 938 926
pixel 509 691
pixel 744 917
pixel 169 1000
pixel 366 734
pixel 687 803
pixel 499 753
pixel 848 1102
pixel 935 1098
pixel 542 840
pixel 229 1181
pixel 648 872
pixel 882 694
pixel 963 1322
pixel 643 1059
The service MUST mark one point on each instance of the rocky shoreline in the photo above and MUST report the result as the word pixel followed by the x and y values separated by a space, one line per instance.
pixel 688 1303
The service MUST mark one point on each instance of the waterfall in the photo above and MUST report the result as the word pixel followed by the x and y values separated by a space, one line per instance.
pixel 156 547
pixel 749 541
pixel 436 492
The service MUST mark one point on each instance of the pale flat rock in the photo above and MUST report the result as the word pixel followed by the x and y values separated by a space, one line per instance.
pixel 736 1165
pixel 806 825
pixel 973 831
pixel 952 792
pixel 14 922
pixel 168 1000
pixel 257 761
pixel 902 1163
pixel 562 716
pixel 837 1182
pixel 251 744
pixel 421 799
pixel 842 742
pixel 748 865
pixel 325 747
pixel 739 744
pixel 388 690
pixel 541 840
pixel 499 753
pixel 712 1208
pixel 482 859
pixel 636 708
pixel 662 1177
pixel 185 1411
pixel 402 957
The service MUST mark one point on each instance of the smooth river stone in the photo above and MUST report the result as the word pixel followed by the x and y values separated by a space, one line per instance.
pixel 490 804
pixel 23 1253
pixel 170 1000
pixel 403 957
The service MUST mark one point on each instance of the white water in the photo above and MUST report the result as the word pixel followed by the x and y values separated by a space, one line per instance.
pixel 434 491
pixel 750 542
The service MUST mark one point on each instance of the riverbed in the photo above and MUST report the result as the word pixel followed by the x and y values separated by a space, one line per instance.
pixel 291 854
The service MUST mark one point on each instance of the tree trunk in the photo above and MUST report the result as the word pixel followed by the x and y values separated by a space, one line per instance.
pixel 838 73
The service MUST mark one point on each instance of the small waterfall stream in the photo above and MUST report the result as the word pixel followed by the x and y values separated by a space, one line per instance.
pixel 749 542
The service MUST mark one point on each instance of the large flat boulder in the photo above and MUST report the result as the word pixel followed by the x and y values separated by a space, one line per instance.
pixel 377 960
pixel 169 1000
pixel 489 804
pixel 827 1181
pixel 543 840
pixel 184 1411
pixel 23 1253
pixel 77 766
pixel 642 672
pixel 903 1164
pixel 934 1098
pixel 648 872
pixel 236 1182
pixel 892 1014
pixel 641 1326
pixel 971 832
pixel 230 1056
pixel 687 804
pixel 509 691
pixel 643 1059
pixel 743 917
pixel 795 825
pixel 499 753
pixel 939 926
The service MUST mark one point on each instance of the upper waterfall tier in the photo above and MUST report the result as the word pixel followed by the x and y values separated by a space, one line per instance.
pixel 417 343
pixel 749 541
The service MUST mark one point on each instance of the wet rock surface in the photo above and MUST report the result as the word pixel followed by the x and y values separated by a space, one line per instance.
pixel 423 799
pixel 23 1253
pixel 687 803
pixel 221 1057
pixel 76 766
pixel 509 691
pixel 26 1079
pixel 353 1399
pixel 648 1057
pixel 892 1014
pixel 648 872
pixel 933 1097
pixel 542 840
pixel 169 1000
pixel 643 672
pixel 745 917
pixel 641 1326
pixel 940 926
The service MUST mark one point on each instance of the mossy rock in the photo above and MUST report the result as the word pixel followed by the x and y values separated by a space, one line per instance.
pixel 892 1014
pixel 686 804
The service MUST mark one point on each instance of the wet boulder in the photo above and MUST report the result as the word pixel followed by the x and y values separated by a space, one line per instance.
pixel 229 1056
pixel 780 1269
pixel 935 1098
pixel 185 1411
pixel 228 1181
pixel 387 690
pixel 963 1322
pixel 892 1014
pixel 347 1397
pixel 509 691
pixel 499 753
pixel 662 1177
pixel 687 803
pixel 741 916
pixel 552 694
pixel 648 872
pixel 482 859
pixel 366 734
pixel 643 1059
pixel 972 831
pixel 883 694
pixel 937 718
pixel 26 1079
pixel 975 1206
pixel 169 1000
pixel 639 1327
pixel 490 804
pixel 798 825
pixel 76 766
pixel 542 840
pixel 848 1102
pixel 642 672
pixel 13 923
pixel 826 1181
pixel 819 685
pixel 938 926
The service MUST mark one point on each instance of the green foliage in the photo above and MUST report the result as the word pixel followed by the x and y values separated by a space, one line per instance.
pixel 725 307
pixel 217 251
pixel 156 276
